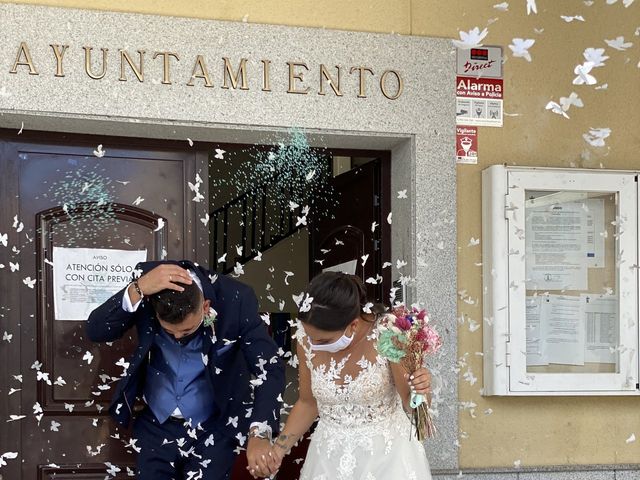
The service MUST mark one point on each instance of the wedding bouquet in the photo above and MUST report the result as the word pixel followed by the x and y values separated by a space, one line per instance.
pixel 406 336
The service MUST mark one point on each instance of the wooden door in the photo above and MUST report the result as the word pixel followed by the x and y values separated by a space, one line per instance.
pixel 363 198
pixel 66 196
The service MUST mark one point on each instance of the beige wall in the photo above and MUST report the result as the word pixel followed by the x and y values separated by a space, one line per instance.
pixel 537 431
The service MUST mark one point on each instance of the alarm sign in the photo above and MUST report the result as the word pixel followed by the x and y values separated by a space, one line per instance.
pixel 478 62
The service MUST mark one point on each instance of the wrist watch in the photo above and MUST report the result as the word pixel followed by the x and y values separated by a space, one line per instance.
pixel 256 432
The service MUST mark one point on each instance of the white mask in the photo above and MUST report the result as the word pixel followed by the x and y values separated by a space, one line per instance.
pixel 340 344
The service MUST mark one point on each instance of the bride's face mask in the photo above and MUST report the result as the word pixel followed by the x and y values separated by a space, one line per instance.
pixel 340 344
pixel 333 347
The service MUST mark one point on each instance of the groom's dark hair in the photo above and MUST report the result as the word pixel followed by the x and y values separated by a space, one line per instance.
pixel 172 306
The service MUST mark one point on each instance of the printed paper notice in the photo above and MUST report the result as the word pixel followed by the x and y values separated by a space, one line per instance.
pixel 83 278
pixel 565 342
pixel 595 232
pixel 555 245
pixel 601 319
pixel 536 332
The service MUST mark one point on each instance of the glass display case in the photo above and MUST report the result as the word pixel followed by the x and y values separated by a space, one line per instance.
pixel 560 250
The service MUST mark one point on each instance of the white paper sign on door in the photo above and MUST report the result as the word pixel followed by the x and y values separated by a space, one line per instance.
pixel 83 278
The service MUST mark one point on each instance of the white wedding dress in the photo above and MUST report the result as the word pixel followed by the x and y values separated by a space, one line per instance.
pixel 362 432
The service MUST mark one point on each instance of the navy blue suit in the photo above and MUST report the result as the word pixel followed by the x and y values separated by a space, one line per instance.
pixel 230 366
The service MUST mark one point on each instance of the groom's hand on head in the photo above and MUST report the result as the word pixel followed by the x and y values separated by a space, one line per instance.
pixel 165 276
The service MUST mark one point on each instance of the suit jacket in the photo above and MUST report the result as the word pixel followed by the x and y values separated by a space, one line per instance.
pixel 230 363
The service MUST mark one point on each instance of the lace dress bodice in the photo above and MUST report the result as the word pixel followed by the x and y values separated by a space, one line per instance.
pixel 353 400
pixel 360 415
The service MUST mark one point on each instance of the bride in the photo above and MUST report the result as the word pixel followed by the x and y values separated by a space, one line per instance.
pixel 363 432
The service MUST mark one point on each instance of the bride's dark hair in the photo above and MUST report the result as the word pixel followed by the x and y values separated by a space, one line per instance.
pixel 338 298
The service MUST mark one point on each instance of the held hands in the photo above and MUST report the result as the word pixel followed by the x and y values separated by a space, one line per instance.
pixel 260 458
pixel 267 463
pixel 162 277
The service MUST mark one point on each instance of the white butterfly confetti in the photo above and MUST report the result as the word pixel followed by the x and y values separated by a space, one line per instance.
pixel 138 201
pixel 43 376
pixel 220 154
pixel 17 224
pixel 233 421
pixel 4 237
pixel 570 19
pixel 531 7
pixel 7 456
pixel 595 56
pixel 572 99
pixel 198 197
pixel 520 47
pixel 626 3
pixel 618 43
pixel 55 426
pixel 596 136
pixel 238 270
pixel 471 39
pixel 402 194
pixel 556 108
pixel 287 275
pixel 160 225
pixel 6 337
pixel 88 356
pixel 99 152
pixel 503 7
pixel 112 469
pixel 583 75
pixel 15 418
pixel 29 282
pixel 303 301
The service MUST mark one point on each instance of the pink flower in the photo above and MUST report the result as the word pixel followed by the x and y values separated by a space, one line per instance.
pixel 403 323
pixel 422 314
pixel 432 341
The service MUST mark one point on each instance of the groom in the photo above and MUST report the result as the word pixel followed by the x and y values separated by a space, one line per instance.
pixel 205 368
